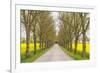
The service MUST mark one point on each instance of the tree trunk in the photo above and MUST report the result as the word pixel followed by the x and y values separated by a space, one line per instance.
pixel 47 44
pixel 27 43
pixel 70 45
pixel 64 43
pixel 84 45
pixel 67 45
pixel 40 43
pixel 76 42
pixel 34 42
pixel 45 41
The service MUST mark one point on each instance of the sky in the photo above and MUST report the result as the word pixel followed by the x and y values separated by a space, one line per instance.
pixel 56 21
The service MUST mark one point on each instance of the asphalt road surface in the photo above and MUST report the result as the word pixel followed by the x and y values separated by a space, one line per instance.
pixel 54 54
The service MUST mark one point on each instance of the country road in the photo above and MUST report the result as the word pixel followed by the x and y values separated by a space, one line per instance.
pixel 54 54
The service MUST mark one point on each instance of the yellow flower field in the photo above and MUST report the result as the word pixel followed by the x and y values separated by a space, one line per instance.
pixel 31 45
pixel 79 47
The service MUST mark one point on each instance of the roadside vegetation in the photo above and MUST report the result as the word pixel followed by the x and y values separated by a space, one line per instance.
pixel 74 34
pixel 38 29
pixel 41 30
pixel 78 56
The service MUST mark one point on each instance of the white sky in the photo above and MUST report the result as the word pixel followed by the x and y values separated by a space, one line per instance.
pixel 22 31
pixel 56 21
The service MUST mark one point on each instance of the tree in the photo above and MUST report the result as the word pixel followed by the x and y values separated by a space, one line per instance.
pixel 77 29
pixel 45 21
pixel 85 20
pixel 67 26
pixel 26 19
pixel 35 15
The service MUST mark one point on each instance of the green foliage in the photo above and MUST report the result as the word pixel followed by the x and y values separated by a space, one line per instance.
pixel 73 26
pixel 39 28
pixel 76 56
pixel 32 57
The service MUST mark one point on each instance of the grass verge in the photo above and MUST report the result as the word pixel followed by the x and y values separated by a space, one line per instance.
pixel 77 56
pixel 32 57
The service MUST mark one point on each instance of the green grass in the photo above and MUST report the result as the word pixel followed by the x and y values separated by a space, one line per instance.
pixel 32 57
pixel 77 56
